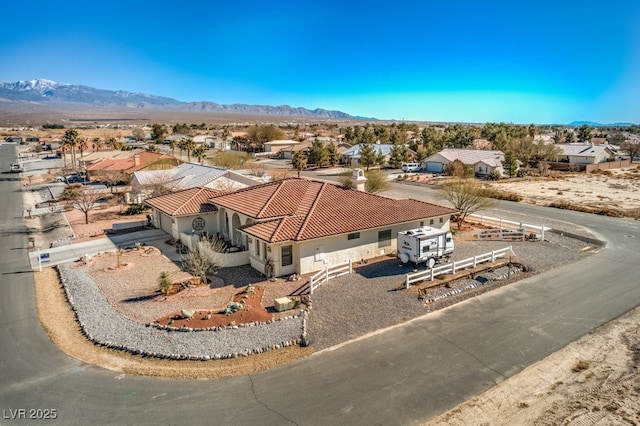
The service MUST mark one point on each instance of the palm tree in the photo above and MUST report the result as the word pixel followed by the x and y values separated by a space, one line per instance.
pixel 189 145
pixel 97 144
pixel 181 146
pixel 299 161
pixel 200 153
pixel 82 145
pixel 70 139
pixel 225 134
pixel 172 145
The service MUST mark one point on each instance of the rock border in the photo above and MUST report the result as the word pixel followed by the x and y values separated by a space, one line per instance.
pixel 103 326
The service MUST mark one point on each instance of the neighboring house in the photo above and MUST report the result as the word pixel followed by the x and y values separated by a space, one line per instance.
pixel 208 141
pixel 147 183
pixel 303 146
pixel 299 225
pixel 351 156
pixel 279 145
pixel 174 138
pixel 483 161
pixel 144 160
pixel 580 153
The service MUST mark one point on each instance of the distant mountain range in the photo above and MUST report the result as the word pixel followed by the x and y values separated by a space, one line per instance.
pixel 596 124
pixel 47 92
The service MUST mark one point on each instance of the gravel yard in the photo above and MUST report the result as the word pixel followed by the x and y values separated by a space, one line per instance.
pixel 354 305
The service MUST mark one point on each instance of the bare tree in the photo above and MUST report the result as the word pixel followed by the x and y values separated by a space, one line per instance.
pixel 466 196
pixel 631 148
pixel 86 201
pixel 204 259
pixel 162 183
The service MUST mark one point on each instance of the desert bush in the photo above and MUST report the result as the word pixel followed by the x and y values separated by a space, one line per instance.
pixel 580 365
pixel 134 209
pixel 164 282
pixel 502 195
pixel 494 175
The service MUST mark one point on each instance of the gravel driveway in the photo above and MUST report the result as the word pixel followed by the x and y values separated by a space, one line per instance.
pixel 367 300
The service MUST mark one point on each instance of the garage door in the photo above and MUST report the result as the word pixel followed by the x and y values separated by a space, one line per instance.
pixel 433 167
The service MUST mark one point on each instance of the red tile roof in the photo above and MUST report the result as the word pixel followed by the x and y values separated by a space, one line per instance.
pixel 300 209
pixel 127 165
pixel 184 203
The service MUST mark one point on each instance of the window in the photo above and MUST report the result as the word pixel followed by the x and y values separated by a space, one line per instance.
pixel 287 255
pixel 441 219
pixel 430 221
pixel 384 238
pixel 421 223
pixel 353 236
pixel 257 248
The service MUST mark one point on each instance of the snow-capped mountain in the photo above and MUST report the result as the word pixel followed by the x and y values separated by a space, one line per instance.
pixel 46 92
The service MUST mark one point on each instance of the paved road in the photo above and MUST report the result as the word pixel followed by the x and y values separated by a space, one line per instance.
pixel 404 375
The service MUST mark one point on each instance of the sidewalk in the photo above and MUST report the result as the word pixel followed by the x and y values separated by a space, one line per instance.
pixel 71 252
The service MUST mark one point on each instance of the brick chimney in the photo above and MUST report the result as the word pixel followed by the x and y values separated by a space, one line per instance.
pixel 358 180
pixel 136 160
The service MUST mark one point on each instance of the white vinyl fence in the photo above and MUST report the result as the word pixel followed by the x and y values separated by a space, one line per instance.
pixel 328 273
pixel 452 268
pixel 504 223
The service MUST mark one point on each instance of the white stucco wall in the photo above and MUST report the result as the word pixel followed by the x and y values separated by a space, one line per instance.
pixel 313 255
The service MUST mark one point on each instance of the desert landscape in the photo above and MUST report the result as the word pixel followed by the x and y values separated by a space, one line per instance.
pixel 591 381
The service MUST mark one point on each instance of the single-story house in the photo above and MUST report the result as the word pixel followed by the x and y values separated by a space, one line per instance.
pixel 483 161
pixel 176 138
pixel 208 141
pixel 351 156
pixel 144 160
pixel 147 183
pixel 297 225
pixel 581 153
pixel 279 145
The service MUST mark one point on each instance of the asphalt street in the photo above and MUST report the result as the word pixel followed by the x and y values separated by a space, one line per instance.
pixel 403 375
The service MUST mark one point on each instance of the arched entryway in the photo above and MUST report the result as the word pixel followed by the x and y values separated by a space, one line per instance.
pixel 236 236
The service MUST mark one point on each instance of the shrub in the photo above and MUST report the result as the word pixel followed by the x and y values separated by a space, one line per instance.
pixel 164 282
pixel 134 209
pixel 494 175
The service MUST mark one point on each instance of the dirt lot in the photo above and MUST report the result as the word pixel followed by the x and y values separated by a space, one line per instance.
pixel 613 192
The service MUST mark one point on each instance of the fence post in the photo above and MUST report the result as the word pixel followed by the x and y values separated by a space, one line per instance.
pixel 493 256
pixel 311 285
pixel 406 283
pixel 475 259
pixel 454 268
pixel 431 275
pixel 350 266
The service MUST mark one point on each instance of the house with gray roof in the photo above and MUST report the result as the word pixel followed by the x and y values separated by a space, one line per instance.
pixel 581 153
pixel 185 176
pixel 483 161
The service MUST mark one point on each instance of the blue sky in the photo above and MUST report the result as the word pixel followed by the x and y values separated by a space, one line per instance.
pixel 510 61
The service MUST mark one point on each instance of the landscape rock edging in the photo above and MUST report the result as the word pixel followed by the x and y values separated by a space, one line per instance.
pixel 102 325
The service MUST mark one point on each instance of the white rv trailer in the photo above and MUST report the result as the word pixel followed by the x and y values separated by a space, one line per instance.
pixel 424 244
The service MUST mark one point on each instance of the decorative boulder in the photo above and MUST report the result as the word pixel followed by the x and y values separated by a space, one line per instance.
pixel 187 314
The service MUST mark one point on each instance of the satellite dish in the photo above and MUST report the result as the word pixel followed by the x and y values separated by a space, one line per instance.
pixel 404 257
pixel 430 262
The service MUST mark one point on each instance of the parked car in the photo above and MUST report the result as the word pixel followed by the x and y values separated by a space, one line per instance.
pixel 16 168
pixel 411 167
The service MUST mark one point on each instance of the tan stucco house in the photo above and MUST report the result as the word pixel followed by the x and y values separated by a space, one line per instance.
pixel 297 225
